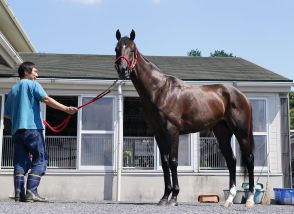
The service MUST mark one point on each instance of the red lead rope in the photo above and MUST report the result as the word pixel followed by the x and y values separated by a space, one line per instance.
pixel 64 123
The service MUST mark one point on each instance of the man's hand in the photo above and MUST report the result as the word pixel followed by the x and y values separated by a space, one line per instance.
pixel 71 110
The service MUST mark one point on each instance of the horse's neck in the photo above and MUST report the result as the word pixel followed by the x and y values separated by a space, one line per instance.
pixel 147 78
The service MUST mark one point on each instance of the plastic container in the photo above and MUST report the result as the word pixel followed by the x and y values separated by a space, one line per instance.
pixel 284 196
pixel 208 198
pixel 258 186
pixel 242 195
pixel 259 192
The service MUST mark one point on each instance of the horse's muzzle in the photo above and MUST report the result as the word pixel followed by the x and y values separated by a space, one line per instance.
pixel 122 72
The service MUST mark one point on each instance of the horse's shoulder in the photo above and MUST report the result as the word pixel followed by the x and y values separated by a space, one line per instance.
pixel 174 81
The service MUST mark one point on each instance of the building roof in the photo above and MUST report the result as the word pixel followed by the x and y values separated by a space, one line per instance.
pixel 81 66
pixel 13 31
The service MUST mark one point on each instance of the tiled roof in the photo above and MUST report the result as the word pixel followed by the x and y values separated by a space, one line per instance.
pixel 83 66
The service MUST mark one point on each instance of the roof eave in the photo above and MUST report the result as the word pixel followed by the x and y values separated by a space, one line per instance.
pixel 12 29
pixel 8 53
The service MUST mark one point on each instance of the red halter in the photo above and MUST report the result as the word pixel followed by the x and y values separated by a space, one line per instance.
pixel 132 64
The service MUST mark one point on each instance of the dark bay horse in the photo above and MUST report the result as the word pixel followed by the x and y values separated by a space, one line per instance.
pixel 173 107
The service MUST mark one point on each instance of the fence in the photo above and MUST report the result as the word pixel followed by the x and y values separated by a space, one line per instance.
pixel 210 155
pixel 61 150
pixel 7 153
pixel 138 153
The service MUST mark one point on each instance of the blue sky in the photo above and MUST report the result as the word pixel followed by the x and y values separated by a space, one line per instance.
pixel 261 31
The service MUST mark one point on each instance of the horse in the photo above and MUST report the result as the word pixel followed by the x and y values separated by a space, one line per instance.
pixel 173 107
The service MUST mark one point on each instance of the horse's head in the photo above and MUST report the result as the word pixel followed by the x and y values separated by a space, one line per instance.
pixel 126 55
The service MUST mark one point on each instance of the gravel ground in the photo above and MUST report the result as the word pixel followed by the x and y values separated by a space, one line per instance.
pixel 72 207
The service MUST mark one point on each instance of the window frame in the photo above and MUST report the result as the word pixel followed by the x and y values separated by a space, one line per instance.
pixel 2 101
pixel 80 132
pixel 262 168
pixel 191 141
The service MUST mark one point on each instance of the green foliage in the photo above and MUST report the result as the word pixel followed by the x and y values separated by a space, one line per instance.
pixel 291 102
pixel 195 52
pixel 221 53
pixel 291 99
pixel 217 53
pixel 292 119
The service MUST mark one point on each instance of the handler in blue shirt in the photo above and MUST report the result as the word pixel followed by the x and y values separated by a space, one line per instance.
pixel 23 108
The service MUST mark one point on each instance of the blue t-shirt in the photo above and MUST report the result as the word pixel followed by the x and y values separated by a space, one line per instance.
pixel 23 105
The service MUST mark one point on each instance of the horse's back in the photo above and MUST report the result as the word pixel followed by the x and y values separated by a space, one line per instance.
pixel 230 94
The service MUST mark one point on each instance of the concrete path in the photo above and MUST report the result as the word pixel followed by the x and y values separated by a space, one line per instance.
pixel 73 207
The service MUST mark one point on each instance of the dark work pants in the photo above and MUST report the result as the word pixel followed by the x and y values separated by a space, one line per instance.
pixel 29 141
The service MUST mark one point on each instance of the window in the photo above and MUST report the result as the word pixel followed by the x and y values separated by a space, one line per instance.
pixel 138 141
pixel 62 147
pixel 185 161
pixel 184 154
pixel 1 127
pixel 210 155
pixel 139 149
pixel 97 134
pixel 7 145
pixel 260 132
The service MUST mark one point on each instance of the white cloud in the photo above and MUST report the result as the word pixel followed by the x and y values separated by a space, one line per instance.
pixel 156 1
pixel 85 2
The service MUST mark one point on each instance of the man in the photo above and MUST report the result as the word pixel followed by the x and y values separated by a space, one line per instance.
pixel 23 108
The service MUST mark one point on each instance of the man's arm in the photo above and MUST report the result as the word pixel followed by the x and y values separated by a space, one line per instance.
pixel 54 104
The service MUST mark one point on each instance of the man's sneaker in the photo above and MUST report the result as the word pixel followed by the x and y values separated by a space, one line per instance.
pixel 34 197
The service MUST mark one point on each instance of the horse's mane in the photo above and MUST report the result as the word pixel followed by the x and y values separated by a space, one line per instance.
pixel 147 60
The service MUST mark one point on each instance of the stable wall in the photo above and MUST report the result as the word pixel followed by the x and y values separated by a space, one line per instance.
pixel 134 187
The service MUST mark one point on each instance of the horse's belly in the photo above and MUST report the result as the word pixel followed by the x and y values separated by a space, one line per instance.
pixel 197 125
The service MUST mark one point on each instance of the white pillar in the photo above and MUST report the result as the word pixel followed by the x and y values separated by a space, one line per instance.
pixel 120 140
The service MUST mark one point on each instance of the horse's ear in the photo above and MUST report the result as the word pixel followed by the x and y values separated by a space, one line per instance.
pixel 118 35
pixel 132 35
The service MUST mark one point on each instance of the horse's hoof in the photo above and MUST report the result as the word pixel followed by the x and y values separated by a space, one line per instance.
pixel 172 203
pixel 228 204
pixel 249 203
pixel 163 202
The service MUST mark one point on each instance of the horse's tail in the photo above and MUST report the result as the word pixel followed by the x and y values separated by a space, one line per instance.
pixel 251 138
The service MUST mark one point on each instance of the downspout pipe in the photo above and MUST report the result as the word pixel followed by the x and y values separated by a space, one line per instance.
pixel 120 141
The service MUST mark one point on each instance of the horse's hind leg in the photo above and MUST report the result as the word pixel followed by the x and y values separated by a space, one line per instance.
pixel 248 161
pixel 224 135
pixel 240 121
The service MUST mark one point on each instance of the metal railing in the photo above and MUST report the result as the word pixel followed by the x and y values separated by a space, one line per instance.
pixel 138 153
pixel 62 152
pixel 7 153
pixel 210 154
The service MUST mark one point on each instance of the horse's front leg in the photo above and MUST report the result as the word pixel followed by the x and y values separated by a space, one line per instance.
pixel 173 164
pixel 175 190
pixel 167 182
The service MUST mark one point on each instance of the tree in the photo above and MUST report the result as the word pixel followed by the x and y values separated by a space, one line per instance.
pixel 217 53
pixel 291 102
pixel 221 53
pixel 195 52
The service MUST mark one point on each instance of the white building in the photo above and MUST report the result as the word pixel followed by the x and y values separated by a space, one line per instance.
pixel 83 160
